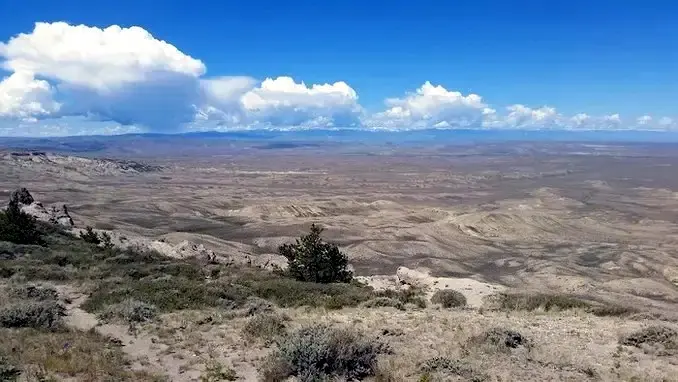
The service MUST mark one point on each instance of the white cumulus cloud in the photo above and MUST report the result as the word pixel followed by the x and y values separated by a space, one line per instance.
pixel 284 102
pixel 75 79
pixel 431 106
pixel 91 57
pixel 23 97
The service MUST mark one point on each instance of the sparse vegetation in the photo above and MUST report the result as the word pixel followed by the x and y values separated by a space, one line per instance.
pixel 322 352
pixel 449 298
pixel 311 259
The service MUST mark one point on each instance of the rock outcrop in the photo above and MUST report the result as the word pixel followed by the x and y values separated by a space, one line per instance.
pixel 56 214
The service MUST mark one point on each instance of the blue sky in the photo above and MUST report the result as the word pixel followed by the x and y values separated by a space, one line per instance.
pixel 612 63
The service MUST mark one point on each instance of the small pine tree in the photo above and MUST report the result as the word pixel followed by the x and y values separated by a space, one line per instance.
pixel 90 236
pixel 312 260
pixel 17 226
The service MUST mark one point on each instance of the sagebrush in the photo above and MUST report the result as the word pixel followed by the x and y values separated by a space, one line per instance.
pixel 322 352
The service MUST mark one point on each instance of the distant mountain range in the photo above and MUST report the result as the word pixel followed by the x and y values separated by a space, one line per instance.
pixel 195 142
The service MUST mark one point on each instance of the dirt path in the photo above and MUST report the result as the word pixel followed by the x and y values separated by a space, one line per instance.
pixel 145 350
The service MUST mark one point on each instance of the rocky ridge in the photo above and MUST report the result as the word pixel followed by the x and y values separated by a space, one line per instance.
pixel 44 161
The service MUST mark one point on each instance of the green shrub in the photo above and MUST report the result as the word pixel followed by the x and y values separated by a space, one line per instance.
pixel 312 260
pixel 267 326
pixel 32 314
pixel 322 352
pixel 130 311
pixel 17 226
pixel 449 298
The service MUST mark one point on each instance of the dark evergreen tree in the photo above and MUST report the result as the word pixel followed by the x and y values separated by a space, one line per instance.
pixel 17 226
pixel 311 259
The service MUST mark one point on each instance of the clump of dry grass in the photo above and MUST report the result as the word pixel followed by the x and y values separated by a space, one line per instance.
pixel 322 352
pixel 266 326
pixel 449 298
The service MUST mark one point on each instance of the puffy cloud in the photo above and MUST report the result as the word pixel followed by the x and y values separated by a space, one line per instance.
pixel 91 57
pixel 119 74
pixel 431 106
pixel 521 116
pixel 23 97
pixel 74 79
pixel 283 102
pixel 667 122
pixel 644 120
